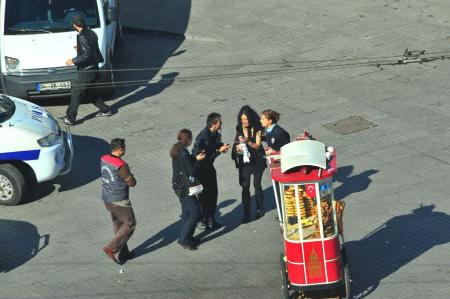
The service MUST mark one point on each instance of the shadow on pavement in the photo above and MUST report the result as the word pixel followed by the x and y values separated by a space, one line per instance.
pixel 158 15
pixel 230 221
pixel 153 32
pixel 138 61
pixel 20 242
pixel 351 184
pixel 393 245
pixel 86 162
pixel 85 167
pixel 163 238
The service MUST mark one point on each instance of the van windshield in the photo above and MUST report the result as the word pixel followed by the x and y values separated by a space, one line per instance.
pixel 45 16
pixel 7 108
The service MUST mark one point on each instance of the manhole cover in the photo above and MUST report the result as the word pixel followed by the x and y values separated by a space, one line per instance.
pixel 350 125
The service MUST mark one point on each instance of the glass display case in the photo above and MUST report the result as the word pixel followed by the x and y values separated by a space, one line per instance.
pixel 302 214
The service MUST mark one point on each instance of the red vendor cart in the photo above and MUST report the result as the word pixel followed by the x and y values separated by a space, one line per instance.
pixel 314 256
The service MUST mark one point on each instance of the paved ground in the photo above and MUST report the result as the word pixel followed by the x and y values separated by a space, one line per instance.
pixel 287 55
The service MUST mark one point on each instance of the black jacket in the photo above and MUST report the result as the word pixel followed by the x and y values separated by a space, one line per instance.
pixel 184 164
pixel 210 143
pixel 277 138
pixel 257 156
pixel 88 52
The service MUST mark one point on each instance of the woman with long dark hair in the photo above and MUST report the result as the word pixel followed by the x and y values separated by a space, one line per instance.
pixel 248 155
pixel 183 163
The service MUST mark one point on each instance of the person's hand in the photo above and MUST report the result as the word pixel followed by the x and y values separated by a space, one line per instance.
pixel 242 139
pixel 269 151
pixel 200 156
pixel 238 148
pixel 69 62
pixel 224 148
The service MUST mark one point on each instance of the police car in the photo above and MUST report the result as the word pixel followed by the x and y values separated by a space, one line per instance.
pixel 33 148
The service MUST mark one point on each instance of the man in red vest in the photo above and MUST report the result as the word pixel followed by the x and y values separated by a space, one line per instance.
pixel 117 180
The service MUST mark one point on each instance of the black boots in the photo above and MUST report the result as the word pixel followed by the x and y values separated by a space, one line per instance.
pixel 259 205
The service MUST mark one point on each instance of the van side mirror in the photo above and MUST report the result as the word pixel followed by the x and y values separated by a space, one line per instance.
pixel 112 15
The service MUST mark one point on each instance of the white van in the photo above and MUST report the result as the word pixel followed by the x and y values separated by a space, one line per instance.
pixel 36 39
pixel 33 148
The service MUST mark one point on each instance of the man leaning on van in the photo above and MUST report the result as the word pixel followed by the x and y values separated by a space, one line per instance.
pixel 87 60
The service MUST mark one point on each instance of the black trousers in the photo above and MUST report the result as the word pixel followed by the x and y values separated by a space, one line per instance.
pixel 84 86
pixel 245 173
pixel 208 198
pixel 190 213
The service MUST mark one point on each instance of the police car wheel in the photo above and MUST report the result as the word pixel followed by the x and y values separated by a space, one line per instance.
pixel 12 185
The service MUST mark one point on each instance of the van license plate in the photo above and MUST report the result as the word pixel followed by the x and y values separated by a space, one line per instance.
pixel 53 86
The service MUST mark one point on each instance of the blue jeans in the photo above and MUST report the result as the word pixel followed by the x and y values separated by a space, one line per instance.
pixel 190 214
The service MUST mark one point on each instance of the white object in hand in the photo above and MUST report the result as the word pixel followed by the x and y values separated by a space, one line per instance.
pixel 245 152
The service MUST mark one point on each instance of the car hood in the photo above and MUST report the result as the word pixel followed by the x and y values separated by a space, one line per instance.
pixel 32 117
pixel 44 50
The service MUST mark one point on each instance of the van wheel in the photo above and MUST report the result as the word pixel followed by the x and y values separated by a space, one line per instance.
pixel 12 185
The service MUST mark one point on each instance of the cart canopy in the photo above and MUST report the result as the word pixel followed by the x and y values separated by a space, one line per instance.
pixel 303 152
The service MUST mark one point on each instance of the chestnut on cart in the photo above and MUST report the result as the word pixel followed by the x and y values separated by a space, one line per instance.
pixel 314 256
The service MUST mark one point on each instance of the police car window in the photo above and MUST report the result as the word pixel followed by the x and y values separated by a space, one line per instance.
pixel 7 108
pixel 44 16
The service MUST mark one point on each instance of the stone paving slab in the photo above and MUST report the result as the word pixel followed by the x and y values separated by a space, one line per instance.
pixel 208 55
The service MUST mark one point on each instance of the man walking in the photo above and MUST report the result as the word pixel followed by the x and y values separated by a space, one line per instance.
pixel 117 180
pixel 209 142
pixel 87 60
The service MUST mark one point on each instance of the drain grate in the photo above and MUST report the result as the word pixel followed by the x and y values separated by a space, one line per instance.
pixel 350 125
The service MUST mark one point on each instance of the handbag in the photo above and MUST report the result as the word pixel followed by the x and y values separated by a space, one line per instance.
pixel 191 183
pixel 195 187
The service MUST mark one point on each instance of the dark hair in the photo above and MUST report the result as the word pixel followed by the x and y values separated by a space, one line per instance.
pixel 79 21
pixel 272 115
pixel 252 116
pixel 117 143
pixel 183 138
pixel 212 119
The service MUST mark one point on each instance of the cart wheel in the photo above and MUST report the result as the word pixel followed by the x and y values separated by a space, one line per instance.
pixel 345 291
pixel 284 278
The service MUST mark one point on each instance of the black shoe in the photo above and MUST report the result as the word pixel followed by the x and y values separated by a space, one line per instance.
pixel 68 121
pixel 131 255
pixel 189 247
pixel 259 213
pixel 195 241
pixel 215 225
pixel 100 114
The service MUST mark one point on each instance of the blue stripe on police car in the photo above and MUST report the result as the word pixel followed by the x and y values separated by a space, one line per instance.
pixel 21 155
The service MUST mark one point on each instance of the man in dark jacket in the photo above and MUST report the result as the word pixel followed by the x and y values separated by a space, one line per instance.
pixel 116 182
pixel 209 142
pixel 87 60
